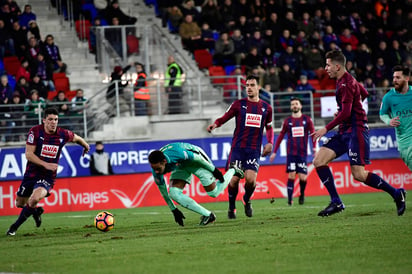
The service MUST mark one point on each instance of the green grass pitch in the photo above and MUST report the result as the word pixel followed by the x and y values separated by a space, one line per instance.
pixel 368 237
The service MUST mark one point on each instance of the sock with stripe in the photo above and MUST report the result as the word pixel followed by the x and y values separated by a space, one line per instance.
pixel 377 182
pixel 325 175
pixel 290 187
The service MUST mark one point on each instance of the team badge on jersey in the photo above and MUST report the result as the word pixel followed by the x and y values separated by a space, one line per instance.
pixel 49 151
pixel 253 120
pixel 30 138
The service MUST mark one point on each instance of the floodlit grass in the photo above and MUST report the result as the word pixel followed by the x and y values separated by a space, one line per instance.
pixel 368 237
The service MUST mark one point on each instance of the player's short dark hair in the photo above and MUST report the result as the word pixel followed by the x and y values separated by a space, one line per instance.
pixel 156 156
pixel 49 111
pixel 405 70
pixel 295 99
pixel 251 77
pixel 336 56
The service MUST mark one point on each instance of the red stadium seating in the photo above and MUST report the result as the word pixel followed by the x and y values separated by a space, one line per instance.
pixel 83 29
pixel 70 94
pixel 132 44
pixel 203 58
pixel 217 71
pixel 11 64
pixel 62 84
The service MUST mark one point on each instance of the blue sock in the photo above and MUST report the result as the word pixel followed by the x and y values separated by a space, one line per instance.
pixel 377 182
pixel 325 175
pixel 290 186
pixel 249 189
pixel 302 187
pixel 232 196
pixel 25 213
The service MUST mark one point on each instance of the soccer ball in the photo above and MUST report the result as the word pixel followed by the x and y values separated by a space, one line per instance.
pixel 104 221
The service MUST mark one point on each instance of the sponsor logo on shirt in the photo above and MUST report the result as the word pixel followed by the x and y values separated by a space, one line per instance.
pixel 49 151
pixel 253 120
pixel 298 131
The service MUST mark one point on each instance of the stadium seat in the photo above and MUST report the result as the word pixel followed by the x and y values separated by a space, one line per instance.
pixel 203 58
pixel 217 71
pixel 51 95
pixel 57 75
pixel 315 83
pixel 11 64
pixel 62 84
pixel 70 94
pixel 132 44
pixel 83 29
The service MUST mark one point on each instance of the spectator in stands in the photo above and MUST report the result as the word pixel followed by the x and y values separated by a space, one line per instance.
pixel 116 79
pixel 52 55
pixel 188 7
pixel 286 40
pixel 23 70
pixel 100 161
pixel 224 50
pixel 190 34
pixel 269 58
pixel 289 23
pixel 26 16
pixel 242 8
pixel 364 35
pixel 227 14
pixel 32 51
pixel 305 24
pixel 301 39
pixel 349 53
pixel 231 89
pixel 5 89
pixel 351 69
pixel 210 14
pixel 114 36
pixel 35 105
pixel 303 84
pixel 381 70
pixel 398 54
pixel 173 86
pixel 208 40
pixel 256 24
pixel 256 41
pixel 269 40
pixel 37 84
pixel 17 117
pixel 252 59
pixel 244 27
pixel 240 46
pixel 347 37
pixel 92 35
pixel 382 52
pixel 175 18
pixel 374 99
pixel 362 58
pixel 19 36
pixel 113 10
pixel 43 71
pixel 62 104
pixel 34 30
pixel 8 15
pixel 141 92
pixel 329 37
pixel 289 57
pixel 314 61
pixel 6 41
pixel 271 80
pixel 23 88
pixel 273 23
pixel 79 103
pixel 287 78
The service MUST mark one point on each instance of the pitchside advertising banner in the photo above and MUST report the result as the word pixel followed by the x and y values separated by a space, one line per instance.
pixel 133 186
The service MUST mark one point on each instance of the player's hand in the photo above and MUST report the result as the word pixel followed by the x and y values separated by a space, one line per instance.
pixel 394 122
pixel 272 157
pixel 86 149
pixel 318 134
pixel 51 166
pixel 218 175
pixel 211 127
pixel 267 149
pixel 178 216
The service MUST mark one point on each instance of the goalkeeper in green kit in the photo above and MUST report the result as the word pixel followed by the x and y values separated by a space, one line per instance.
pixel 396 111
pixel 183 160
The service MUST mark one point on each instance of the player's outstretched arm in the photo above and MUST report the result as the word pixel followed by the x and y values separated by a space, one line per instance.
pixel 79 140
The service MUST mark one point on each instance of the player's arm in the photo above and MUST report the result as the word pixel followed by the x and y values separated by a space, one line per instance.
pixel 267 149
pixel 384 114
pixel 80 141
pixel 32 157
pixel 278 141
pixel 161 185
pixel 229 114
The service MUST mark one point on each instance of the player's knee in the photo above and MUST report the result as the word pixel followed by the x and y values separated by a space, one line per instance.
pixel 213 193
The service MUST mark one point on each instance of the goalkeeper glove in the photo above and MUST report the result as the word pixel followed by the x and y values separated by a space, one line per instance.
pixel 218 175
pixel 178 216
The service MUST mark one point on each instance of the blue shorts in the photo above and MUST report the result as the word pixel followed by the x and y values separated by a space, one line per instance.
pixel 355 144
pixel 29 184
pixel 245 158
pixel 296 164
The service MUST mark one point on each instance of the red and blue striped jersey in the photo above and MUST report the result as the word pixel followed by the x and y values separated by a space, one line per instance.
pixel 48 149
pixel 251 119
pixel 349 97
pixel 298 131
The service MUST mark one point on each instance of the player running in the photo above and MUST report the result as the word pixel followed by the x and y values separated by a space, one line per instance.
pixel 253 115
pixel 183 160
pixel 43 147
pixel 298 127
pixel 352 138
pixel 396 111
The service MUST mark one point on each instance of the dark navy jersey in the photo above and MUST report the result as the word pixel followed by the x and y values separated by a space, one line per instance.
pixel 48 149
pixel 297 131
pixel 349 97
pixel 251 119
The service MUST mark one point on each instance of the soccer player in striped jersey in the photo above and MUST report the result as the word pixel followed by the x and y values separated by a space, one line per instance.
pixel 43 147
pixel 298 128
pixel 253 115
pixel 352 138
pixel 396 111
